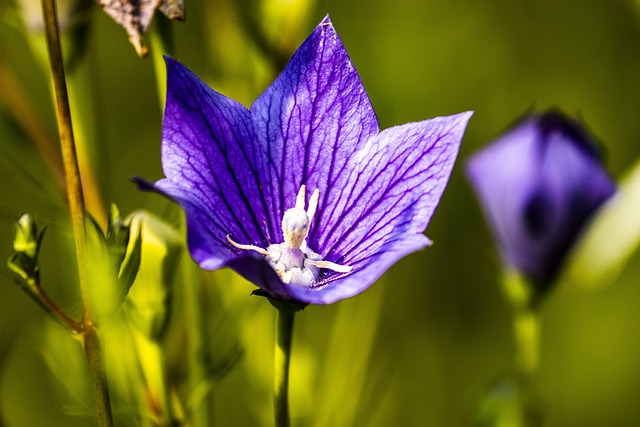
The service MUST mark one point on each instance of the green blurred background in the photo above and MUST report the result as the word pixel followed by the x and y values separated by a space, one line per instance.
pixel 425 343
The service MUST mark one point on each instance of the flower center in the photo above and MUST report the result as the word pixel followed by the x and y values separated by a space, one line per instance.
pixel 292 260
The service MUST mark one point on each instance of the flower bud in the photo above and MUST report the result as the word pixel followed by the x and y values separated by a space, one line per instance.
pixel 539 185
pixel 25 236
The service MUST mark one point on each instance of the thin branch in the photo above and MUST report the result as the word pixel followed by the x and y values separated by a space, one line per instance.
pixel 75 200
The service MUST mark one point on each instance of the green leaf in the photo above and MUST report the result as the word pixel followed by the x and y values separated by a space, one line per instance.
pixel 610 240
pixel 130 264
pixel 149 298
pixel 115 261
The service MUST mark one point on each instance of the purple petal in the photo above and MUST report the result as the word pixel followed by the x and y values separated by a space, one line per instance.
pixel 364 274
pixel 539 184
pixel 309 122
pixel 209 162
pixel 385 203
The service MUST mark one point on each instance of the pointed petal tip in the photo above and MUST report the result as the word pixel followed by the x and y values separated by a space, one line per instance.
pixel 457 123
pixel 458 120
pixel 152 187
pixel 172 63
pixel 175 67
pixel 461 121
pixel 169 60
pixel 466 116
pixel 326 21
pixel 143 184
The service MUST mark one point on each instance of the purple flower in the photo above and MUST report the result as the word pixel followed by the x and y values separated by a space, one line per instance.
pixel 539 184
pixel 241 176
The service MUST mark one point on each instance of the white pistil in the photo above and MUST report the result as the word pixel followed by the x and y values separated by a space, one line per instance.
pixel 292 260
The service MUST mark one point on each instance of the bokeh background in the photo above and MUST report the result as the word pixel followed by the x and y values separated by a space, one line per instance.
pixel 424 344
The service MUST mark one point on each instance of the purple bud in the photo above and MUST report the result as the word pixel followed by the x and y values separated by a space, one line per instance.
pixel 539 184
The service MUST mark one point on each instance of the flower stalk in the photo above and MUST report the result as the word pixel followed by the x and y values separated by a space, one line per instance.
pixel 36 292
pixel 526 334
pixel 282 357
pixel 197 354
pixel 75 200
pixel 526 331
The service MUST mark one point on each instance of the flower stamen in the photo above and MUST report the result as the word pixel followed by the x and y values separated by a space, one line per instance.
pixel 258 249
pixel 292 260
pixel 328 265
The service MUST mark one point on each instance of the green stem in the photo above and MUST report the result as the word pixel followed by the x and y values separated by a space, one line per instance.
pixel 65 129
pixel 526 333
pixel 161 35
pixel 284 329
pixel 41 297
pixel 99 388
pixel 526 329
pixel 77 210
pixel 197 352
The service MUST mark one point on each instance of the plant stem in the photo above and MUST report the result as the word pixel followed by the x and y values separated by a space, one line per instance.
pixel 526 329
pixel 67 143
pixel 161 34
pixel 197 351
pixel 77 211
pixel 282 356
pixel 526 334
pixel 99 388
pixel 41 297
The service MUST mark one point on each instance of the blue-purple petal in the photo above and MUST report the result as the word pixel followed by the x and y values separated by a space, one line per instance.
pixel 393 186
pixel 209 162
pixel 364 274
pixel 310 121
pixel 395 182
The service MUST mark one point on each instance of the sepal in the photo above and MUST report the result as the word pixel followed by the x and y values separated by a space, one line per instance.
pixel 286 306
